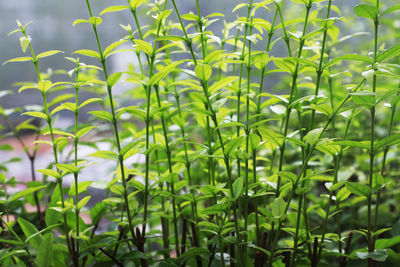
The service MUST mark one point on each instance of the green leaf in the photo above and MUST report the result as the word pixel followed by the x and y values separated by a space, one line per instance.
pixel 84 131
pixel 312 137
pixel 192 252
pixel 363 98
pixel 89 101
pixel 238 187
pixel 390 10
pixel 377 255
pixel 366 11
pixel 271 136
pixel 83 202
pixel 359 144
pixel 49 172
pixel 82 186
pixel 44 255
pixel 95 21
pixel 101 114
pixel 25 192
pixel 144 46
pixel 203 72
pixel 24 42
pixel 230 125
pixel 104 154
pixel 387 141
pixel 254 141
pixel 68 167
pixel 278 207
pixel 97 212
pixel 113 79
pixel 221 83
pixel 381 231
pixel 354 57
pixel 113 9
pixel 78 21
pixel 18 59
pixel 6 147
pixel 45 85
pixel 387 242
pixel 358 189
pixel 88 53
pixel 49 53
pixel 390 53
pixel 112 46
pixel 233 144
pixel 29 229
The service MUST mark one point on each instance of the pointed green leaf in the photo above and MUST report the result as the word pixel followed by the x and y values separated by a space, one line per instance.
pixel 113 9
pixel 113 79
pixel 203 72
pixel 358 189
pixel 18 59
pixel 366 11
pixel 105 115
pixel 88 52
pixel 49 53
pixel 237 186
pixel 29 229
pixel 44 257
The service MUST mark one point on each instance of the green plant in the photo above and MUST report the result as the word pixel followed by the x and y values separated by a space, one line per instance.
pixel 235 170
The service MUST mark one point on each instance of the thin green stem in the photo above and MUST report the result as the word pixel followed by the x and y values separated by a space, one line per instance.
pixel 115 128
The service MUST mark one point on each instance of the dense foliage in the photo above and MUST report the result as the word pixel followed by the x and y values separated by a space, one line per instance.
pixel 223 153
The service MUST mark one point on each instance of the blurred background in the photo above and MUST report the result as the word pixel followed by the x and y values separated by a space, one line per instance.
pixel 52 28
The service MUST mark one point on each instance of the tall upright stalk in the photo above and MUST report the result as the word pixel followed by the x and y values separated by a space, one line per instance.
pixel 116 135
pixel 151 60
pixel 305 164
pixel 35 61
pixel 204 86
pixel 372 148
pixel 285 124
pixel 319 72
pixel 247 25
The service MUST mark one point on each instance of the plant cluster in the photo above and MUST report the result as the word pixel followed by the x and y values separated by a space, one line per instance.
pixel 227 169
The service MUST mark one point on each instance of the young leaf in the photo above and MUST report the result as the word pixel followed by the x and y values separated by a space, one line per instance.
pixel 25 192
pixel 44 255
pixel 390 53
pixel 84 131
pixel 88 52
pixel 112 46
pixel 144 46
pixel 238 187
pixel 203 72
pixel 49 53
pixel 18 59
pixel 113 79
pixel 278 207
pixel 113 9
pixel 29 229
pixel 24 42
pixel 358 189
pixel 366 11
pixel 83 202
pixel 102 114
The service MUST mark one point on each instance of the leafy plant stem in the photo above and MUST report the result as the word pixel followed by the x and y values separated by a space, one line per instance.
pixel 304 166
pixel 54 146
pixel 372 149
pixel 115 127
pixel 214 119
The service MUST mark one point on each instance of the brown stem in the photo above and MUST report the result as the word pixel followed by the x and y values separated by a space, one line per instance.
pixel 111 257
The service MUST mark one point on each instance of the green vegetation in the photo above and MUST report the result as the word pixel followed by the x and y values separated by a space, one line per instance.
pixel 213 165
